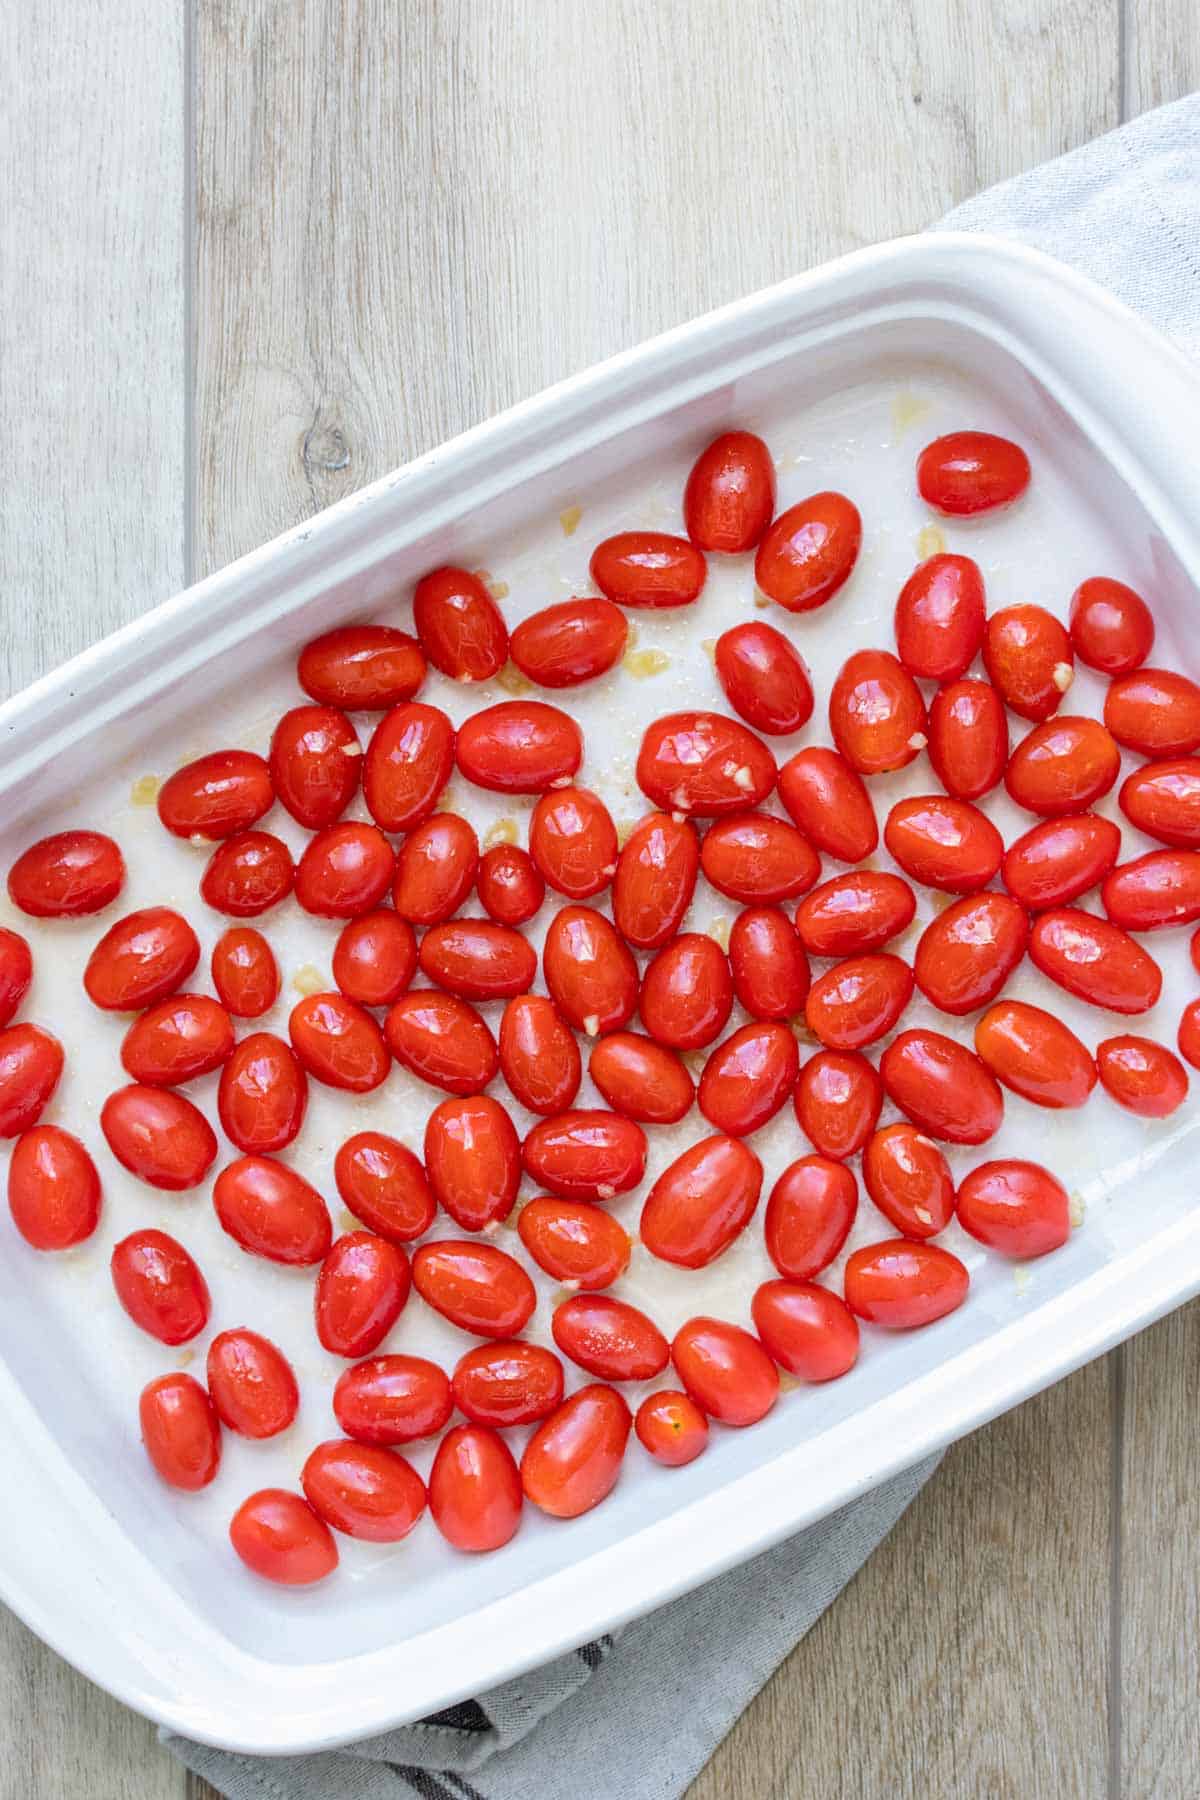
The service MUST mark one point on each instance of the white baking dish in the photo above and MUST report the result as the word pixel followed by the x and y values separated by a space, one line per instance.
pixel 134 1584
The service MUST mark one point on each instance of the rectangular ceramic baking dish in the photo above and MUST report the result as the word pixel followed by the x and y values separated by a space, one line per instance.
pixel 120 1578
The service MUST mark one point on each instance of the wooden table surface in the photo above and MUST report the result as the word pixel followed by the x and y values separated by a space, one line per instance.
pixel 255 256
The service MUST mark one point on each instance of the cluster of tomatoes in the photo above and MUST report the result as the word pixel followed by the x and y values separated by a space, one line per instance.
pixel 411 972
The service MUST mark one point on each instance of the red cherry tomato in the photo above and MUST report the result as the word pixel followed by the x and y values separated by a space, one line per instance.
pixel 572 1461
pixel 1154 891
pixel 909 1180
pixel 315 764
pixel 271 1211
pixel 858 1001
pixel 806 1329
pixel 16 972
pixel 392 1400
pixel 573 842
pixel 459 625
pixel 142 958
pixel 279 1536
pixel 474 1285
pixel 969 472
pixel 1095 960
pixel 586 1155
pixel 473 1159
pixel 591 974
pixel 648 568
pixel 655 880
pixel 687 992
pixel 838 1100
pixel 701 1202
pixel 965 956
pixel 67 875
pixel 730 493
pixel 757 857
pixel 725 1370
pixel 252 1383
pixel 244 972
pixel 809 1214
pixel 809 552
pixel 641 1079
pixel 475 1489
pixel 575 1242
pixel 339 1042
pixel 345 871
pixel 361 1290
pixel 263 1095
pixel 770 970
pixel 539 1057
pixel 180 1038
pixel 160 1286
pixel 765 679
pixel 942 1087
pixel 609 1338
pixel 385 1185
pixel 748 1077
pixel 876 713
pixel 519 747
pixel 1015 1207
pixel 944 843
pixel 408 763
pixel 703 764
pixel 968 738
pixel 1163 800
pixel 671 1427
pixel 180 1431
pixel 1155 712
pixel 363 668
pixel 375 958
pixel 855 913
pixel 1189 1033
pixel 900 1284
pixel 478 960
pixel 216 795
pixel 509 887
pixel 940 618
pixel 1028 657
pixel 508 1384
pixel 1111 626
pixel 247 874
pixel 564 645
pixel 442 1040
pixel 31 1065
pixel 159 1136
pixel 53 1189
pixel 435 869
pixel 364 1490
pixel 1144 1077
pixel 1035 1054
pixel 1062 766
pixel 1059 860
pixel 829 801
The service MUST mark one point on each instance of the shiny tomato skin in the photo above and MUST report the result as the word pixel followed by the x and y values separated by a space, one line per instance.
pixel 770 970
pixel 1015 1207
pixel 362 668
pixel 641 1079
pixel 942 1087
pixel 339 1042
pixel 1153 891
pixel 1155 712
pixel 384 1184
pixel 67 876
pixel 180 1431
pixel 177 1040
pixel 252 1383
pixel 459 625
pixel 16 973
pixel 968 738
pixel 477 1287
pixel 53 1189
pixel 1062 766
pixel 586 1155
pixel 519 747
pixel 968 472
pixel 909 1180
pixel 159 1136
pixel 361 1290
pixel 442 1040
pixel 671 1427
pixel 272 1212
pixel 263 1095
pixel 900 1284
pixel 855 913
pixel 244 972
pixel 160 1286
pixel 280 1537
pixel 725 1370
pixel 392 1400
pixel 435 869
pixel 687 992
pixel 375 958
pixel 1035 1054
pixel 565 645
pixel 345 871
pixel 609 1338
pixel 478 959
pixel 809 1214
pixel 809 552
pixel 701 1202
pixel 748 1077
pixel 838 1100
pixel 572 1461
pixel 765 678
pixel 408 762
pixel 1142 1076
pixel 508 1383
pixel 539 1058
pixel 829 802
pixel 1188 1037
pixel 217 795
pixel 509 887
pixel 473 1160
pixel 758 858
pixel 1029 661
pixel 142 958
pixel 475 1492
pixel 31 1066
pixel 1094 960
pixel 940 618
pixel 573 842
pixel 1060 859
pixel 1163 800
pixel 703 764
pixel 967 953
pixel 648 568
pixel 589 970
pixel 574 1242
pixel 363 1490
pixel 1111 626
pixel 315 763
pixel 730 493
pixel 944 843
pixel 806 1329
pixel 655 880
pixel 876 713
pixel 247 875
pixel 858 1001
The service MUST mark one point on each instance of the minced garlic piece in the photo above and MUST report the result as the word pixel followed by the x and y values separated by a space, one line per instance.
pixel 718 931
pixel 592 1024
pixel 185 1358
pixel 760 599
pixel 1076 1208
pixel 504 831
pixel 907 408
pixel 1062 676
pixel 804 1030
pixel 1022 1280
pixel 569 519
pixel 930 541
pixel 625 830
pixel 348 1222
pixel 144 791
pixel 512 681
pixel 643 663
pixel 709 647
pixel 308 979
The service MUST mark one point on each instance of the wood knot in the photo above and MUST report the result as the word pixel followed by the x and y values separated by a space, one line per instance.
pixel 325 448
